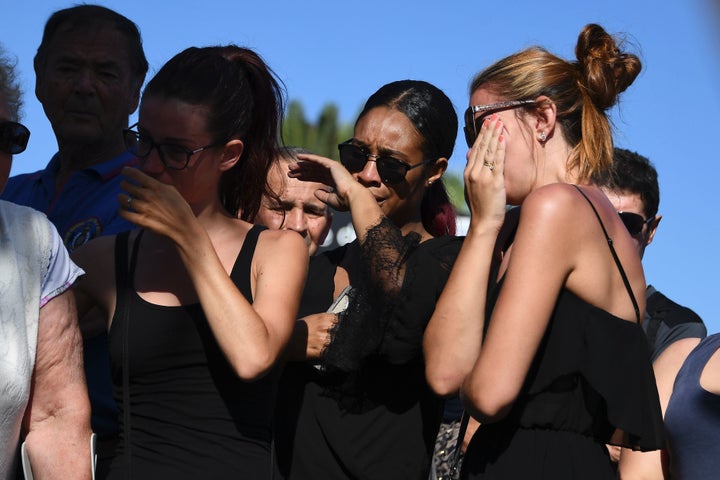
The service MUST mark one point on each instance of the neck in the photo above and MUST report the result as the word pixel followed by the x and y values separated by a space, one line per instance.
pixel 76 157
pixel 552 165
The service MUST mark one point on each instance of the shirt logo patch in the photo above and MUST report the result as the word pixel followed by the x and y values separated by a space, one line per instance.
pixel 82 232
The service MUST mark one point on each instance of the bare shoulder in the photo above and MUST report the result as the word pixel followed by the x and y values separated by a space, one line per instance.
pixel 274 239
pixel 95 249
pixel 551 206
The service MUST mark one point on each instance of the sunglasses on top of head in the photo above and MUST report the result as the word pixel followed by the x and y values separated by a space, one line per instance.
pixel 634 222
pixel 391 170
pixel 14 137
pixel 473 124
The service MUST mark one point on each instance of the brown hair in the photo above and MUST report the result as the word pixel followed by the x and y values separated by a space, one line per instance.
pixel 244 99
pixel 582 91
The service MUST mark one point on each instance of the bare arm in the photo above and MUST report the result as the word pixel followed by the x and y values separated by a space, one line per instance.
pixel 58 416
pixel 251 336
pixel 453 336
pixel 636 465
pixel 522 312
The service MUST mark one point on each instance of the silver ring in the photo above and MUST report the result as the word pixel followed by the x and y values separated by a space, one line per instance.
pixel 490 166
pixel 129 203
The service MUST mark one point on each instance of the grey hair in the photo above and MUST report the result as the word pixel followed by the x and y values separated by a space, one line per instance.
pixel 9 86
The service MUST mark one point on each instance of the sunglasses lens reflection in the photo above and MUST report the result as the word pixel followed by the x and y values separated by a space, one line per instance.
pixel 391 171
pixel 13 137
pixel 352 157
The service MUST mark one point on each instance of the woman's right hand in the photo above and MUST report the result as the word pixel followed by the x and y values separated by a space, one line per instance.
pixel 340 182
pixel 318 332
pixel 484 175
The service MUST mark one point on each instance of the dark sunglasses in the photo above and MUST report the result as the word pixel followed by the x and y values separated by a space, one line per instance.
pixel 634 222
pixel 391 170
pixel 473 125
pixel 13 137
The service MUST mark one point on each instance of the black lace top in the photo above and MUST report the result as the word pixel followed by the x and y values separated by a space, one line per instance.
pixel 369 413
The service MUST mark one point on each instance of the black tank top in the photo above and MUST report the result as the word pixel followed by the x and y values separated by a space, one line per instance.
pixel 190 414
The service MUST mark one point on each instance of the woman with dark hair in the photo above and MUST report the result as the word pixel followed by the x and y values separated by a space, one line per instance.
pixel 540 326
pixel 365 411
pixel 191 297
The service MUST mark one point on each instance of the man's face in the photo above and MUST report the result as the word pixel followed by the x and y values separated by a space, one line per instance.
pixel 86 85
pixel 624 201
pixel 298 209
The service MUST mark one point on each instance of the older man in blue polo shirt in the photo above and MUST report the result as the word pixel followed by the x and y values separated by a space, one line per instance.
pixel 89 69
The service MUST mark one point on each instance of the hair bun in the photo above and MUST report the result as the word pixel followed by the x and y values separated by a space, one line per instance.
pixel 605 70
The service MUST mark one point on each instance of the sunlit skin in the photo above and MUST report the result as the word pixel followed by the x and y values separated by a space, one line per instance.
pixel 191 244
pixel 385 131
pixel 526 163
pixel 298 209
pixel 388 131
pixel 56 424
pixel 87 90
pixel 533 171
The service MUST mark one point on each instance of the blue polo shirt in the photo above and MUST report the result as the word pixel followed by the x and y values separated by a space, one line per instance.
pixel 85 207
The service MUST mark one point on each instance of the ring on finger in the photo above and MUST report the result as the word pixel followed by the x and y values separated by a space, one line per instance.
pixel 490 165
pixel 129 203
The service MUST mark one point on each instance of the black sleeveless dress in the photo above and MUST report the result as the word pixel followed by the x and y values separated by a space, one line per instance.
pixel 591 383
pixel 191 416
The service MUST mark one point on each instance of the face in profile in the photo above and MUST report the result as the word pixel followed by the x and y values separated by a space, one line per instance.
pixel 641 229
pixel 298 208
pixel 85 84
pixel 386 132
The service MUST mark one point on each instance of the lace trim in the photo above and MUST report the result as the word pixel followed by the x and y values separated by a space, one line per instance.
pixel 360 330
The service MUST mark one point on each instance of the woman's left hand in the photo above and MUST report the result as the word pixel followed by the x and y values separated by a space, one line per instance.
pixel 340 182
pixel 154 205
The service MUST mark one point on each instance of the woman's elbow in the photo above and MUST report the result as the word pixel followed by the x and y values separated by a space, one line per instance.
pixel 487 406
pixel 253 367
pixel 442 381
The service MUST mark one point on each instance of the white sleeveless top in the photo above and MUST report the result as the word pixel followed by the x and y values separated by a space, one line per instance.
pixel 34 268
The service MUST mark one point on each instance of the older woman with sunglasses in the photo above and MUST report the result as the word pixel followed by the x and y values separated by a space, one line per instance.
pixel 199 302
pixel 44 399
pixel 366 411
pixel 540 326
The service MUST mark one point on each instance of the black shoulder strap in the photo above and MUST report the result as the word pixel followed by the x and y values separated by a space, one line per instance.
pixel 124 274
pixel 240 273
pixel 615 257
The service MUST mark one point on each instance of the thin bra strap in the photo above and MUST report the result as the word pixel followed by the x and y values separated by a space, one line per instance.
pixel 614 254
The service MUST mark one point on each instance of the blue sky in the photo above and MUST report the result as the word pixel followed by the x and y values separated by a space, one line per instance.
pixel 336 51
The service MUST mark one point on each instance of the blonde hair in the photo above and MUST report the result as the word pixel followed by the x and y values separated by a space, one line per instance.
pixel 582 91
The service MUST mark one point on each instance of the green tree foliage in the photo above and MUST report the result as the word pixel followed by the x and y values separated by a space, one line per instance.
pixel 455 187
pixel 321 136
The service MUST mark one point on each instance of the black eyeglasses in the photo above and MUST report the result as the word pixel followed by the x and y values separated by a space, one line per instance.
pixel 172 155
pixel 634 222
pixel 13 137
pixel 391 170
pixel 472 124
